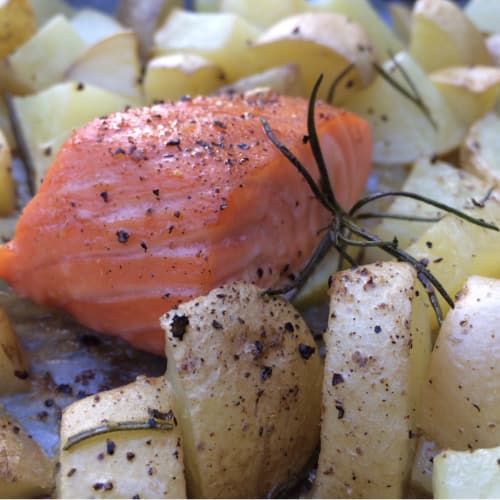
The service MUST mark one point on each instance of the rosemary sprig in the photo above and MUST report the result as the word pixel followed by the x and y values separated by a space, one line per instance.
pixel 344 226
pixel 107 428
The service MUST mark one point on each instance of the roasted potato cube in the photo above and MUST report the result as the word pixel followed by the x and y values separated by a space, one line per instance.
pixel 377 350
pixel 25 470
pixel 247 379
pixel 460 407
pixel 18 23
pixel 141 454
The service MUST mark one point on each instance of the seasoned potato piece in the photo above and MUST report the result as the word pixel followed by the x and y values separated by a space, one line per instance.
pixel 485 15
pixel 318 43
pixel 480 152
pixel 111 63
pixel 13 361
pixel 173 76
pixel 442 35
pixel 47 119
pixel 261 13
pixel 247 380
pixel 436 180
pixel 456 249
pixel 401 131
pixel 460 407
pixel 93 25
pixel 362 12
pixel 144 18
pixel 221 37
pixel 466 474
pixel 145 460
pixel 470 91
pixel 25 470
pixel 18 23
pixel 43 59
pixel 7 187
pixel 281 79
pixel 378 344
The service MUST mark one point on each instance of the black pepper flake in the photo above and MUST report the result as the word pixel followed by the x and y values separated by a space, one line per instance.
pixel 122 236
pixel 64 389
pixel 119 151
pixel 340 409
pixel 174 142
pixel 306 351
pixel 243 146
pixel 177 214
pixel 104 196
pixel 130 456
pixel 110 447
pixel 71 472
pixel 305 139
pixel 266 373
pixel 156 192
pixel 22 374
pixel 80 86
pixel 217 325
pixel 337 378
pixel 260 272
pixel 220 124
pixel 179 326
pixel 258 346
pixel 377 329
pixel 144 246
pixel 289 327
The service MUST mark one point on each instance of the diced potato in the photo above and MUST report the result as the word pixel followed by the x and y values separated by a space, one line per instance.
pixel 456 249
pixel 401 131
pixel 25 470
pixel 247 379
pixel 470 91
pixel 173 76
pixel 18 23
pixel 421 473
pixel 281 79
pixel 144 18
pixel 466 474
pixel 47 119
pixel 442 35
pixel 112 63
pixel 43 59
pixel 436 180
pixel 378 345
pixel 221 37
pixel 45 10
pixel 13 360
pixel 460 407
pixel 319 43
pixel 261 13
pixel 7 187
pixel 480 152
pixel 401 21
pixel 362 12
pixel 144 462
pixel 93 25
pixel 485 15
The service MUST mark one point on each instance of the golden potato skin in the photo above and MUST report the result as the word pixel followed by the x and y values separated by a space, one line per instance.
pixel 247 378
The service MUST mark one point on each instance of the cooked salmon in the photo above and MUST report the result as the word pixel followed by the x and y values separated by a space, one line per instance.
pixel 147 208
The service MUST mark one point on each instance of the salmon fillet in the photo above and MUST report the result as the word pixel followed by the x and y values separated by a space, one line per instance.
pixel 148 208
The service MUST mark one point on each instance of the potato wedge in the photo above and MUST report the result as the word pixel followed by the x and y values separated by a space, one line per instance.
pixel 7 187
pixel 144 18
pixel 484 14
pixel 466 474
pixel 172 76
pixel 437 180
pixel 281 79
pixel 25 470
pixel 401 131
pixel 18 24
pixel 378 345
pixel 145 462
pixel 460 407
pixel 14 374
pixel 43 59
pixel 470 91
pixel 362 12
pixel 47 119
pixel 93 25
pixel 480 151
pixel 247 379
pixel 112 63
pixel 319 43
pixel 261 13
pixel 220 37
pixel 442 36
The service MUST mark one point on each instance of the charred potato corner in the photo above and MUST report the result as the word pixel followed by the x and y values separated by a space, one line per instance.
pixel 249 249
